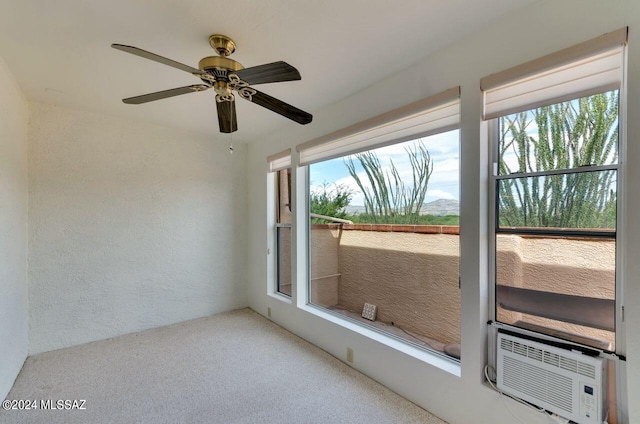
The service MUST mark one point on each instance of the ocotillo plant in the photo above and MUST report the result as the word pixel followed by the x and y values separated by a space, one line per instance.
pixel 564 136
pixel 388 199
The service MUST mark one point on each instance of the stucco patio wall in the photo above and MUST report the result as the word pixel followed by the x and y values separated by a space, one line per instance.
pixel 411 273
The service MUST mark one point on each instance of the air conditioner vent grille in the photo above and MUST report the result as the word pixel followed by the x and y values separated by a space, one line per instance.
pixel 519 348
pixel 555 389
pixel 507 345
pixel 550 358
pixel 569 364
pixel 587 370
pixel 534 353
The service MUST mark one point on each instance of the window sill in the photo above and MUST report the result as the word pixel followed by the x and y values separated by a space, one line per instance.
pixel 448 365
pixel 280 297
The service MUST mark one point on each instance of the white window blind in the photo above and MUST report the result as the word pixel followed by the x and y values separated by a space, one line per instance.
pixel 435 114
pixel 279 161
pixel 588 68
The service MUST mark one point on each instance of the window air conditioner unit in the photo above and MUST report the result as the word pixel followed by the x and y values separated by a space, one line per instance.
pixel 565 382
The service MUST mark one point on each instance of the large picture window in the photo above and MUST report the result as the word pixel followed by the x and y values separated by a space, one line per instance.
pixel 384 225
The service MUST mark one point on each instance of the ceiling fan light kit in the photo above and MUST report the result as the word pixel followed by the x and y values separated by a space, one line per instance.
pixel 225 76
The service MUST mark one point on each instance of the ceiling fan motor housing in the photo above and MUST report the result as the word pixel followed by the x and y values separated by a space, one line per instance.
pixel 210 64
pixel 219 67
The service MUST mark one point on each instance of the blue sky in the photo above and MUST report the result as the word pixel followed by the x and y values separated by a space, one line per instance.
pixel 445 153
pixel 444 182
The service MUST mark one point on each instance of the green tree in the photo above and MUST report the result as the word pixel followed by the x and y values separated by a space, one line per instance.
pixel 388 199
pixel 567 135
pixel 330 200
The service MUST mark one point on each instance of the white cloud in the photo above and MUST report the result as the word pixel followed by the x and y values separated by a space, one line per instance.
pixel 357 195
pixel 444 181
pixel 440 194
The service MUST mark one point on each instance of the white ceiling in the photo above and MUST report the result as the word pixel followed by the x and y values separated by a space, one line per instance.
pixel 59 51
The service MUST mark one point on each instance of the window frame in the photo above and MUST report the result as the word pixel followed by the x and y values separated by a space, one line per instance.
pixel 275 164
pixel 619 167
pixel 278 231
pixel 618 356
pixel 495 229
pixel 405 123
pixel 542 66
pixel 385 335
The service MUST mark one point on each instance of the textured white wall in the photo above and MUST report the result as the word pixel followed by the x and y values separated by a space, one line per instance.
pixel 14 308
pixel 131 226
pixel 545 27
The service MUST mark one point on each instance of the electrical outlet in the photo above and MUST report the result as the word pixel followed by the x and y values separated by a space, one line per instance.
pixel 350 355
pixel 269 312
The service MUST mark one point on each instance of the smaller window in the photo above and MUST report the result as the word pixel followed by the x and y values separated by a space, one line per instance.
pixel 557 154
pixel 283 231
pixel 556 193
pixel 279 166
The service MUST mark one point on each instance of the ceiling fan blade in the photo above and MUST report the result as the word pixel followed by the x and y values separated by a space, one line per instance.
pixel 164 94
pixel 278 106
pixel 152 56
pixel 271 72
pixel 227 116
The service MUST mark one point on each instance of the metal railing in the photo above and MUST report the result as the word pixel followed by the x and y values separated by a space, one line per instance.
pixel 330 218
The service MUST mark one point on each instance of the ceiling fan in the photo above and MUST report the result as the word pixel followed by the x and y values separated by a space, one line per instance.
pixel 225 76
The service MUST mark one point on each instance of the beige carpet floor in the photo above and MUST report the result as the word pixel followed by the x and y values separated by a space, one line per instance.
pixel 236 367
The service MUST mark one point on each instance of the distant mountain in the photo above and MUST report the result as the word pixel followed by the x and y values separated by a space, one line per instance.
pixel 354 209
pixel 441 207
pixel 438 207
